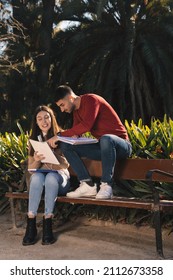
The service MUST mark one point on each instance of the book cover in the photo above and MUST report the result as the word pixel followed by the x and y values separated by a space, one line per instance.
pixel 44 149
pixel 41 170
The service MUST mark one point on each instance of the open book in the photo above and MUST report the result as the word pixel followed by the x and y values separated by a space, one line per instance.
pixel 44 149
pixel 77 141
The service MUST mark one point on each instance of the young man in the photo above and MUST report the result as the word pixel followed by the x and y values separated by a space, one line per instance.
pixel 92 113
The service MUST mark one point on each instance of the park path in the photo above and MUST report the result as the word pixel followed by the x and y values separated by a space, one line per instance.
pixel 84 240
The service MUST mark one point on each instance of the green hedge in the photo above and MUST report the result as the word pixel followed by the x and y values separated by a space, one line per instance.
pixel 13 150
pixel 154 141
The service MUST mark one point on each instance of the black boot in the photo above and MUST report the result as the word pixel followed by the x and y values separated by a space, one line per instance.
pixel 31 232
pixel 48 237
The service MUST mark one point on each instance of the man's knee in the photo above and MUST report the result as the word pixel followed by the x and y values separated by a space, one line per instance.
pixel 106 139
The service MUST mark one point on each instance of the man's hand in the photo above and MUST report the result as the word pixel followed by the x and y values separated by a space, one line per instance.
pixel 52 141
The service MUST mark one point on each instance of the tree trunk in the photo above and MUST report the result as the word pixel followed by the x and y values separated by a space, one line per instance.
pixel 45 38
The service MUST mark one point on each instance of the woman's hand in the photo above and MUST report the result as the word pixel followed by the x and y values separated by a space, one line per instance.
pixel 38 157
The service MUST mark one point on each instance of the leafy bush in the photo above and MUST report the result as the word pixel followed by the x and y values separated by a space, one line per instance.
pixel 155 141
pixel 13 150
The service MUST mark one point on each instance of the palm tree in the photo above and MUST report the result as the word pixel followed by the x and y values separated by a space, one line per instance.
pixel 121 50
pixel 30 50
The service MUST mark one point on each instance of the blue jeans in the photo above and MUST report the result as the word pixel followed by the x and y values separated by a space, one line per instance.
pixel 108 150
pixel 52 184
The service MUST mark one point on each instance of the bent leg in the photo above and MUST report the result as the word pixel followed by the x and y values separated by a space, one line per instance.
pixel 112 148
pixel 74 153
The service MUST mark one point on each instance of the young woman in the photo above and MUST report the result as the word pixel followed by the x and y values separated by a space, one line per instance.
pixel 55 181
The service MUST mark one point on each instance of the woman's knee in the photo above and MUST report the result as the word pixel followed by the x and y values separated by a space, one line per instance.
pixel 37 178
pixel 52 179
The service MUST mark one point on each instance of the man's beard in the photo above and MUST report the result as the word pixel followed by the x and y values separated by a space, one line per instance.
pixel 72 108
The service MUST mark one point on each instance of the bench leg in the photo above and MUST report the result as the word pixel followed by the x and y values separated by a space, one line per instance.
pixel 157 216
pixel 20 210
pixel 13 216
pixel 158 233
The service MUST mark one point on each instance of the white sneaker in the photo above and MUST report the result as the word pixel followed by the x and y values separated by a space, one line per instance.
pixel 105 192
pixel 84 190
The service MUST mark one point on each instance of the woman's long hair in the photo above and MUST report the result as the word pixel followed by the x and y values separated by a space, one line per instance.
pixel 36 131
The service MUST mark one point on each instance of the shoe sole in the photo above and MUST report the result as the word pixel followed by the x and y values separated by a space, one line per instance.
pixel 48 243
pixel 83 196
pixel 104 198
pixel 28 244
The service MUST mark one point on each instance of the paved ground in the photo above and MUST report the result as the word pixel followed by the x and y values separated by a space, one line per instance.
pixel 84 240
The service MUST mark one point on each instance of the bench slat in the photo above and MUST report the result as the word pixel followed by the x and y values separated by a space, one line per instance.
pixel 126 202
pixel 115 201
pixel 20 195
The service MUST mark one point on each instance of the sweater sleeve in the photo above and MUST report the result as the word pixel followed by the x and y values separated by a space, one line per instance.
pixel 32 164
pixel 88 115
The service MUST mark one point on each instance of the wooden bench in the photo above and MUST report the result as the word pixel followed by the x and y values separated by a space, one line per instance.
pixel 149 170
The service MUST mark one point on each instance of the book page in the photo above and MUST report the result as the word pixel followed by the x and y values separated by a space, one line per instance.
pixel 77 141
pixel 44 149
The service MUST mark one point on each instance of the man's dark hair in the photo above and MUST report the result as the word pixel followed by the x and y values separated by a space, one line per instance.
pixel 61 92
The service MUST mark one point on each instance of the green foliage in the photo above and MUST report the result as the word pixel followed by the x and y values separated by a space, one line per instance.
pixel 117 49
pixel 114 48
pixel 152 142
pixel 13 150
pixel 155 141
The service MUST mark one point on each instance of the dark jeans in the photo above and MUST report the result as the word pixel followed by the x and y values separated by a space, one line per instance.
pixel 108 150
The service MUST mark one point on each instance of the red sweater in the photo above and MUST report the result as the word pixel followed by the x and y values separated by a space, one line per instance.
pixel 97 116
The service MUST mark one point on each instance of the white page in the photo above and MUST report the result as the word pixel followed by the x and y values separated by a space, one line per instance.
pixel 44 149
pixel 77 141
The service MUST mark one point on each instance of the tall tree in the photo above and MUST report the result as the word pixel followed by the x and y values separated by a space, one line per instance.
pixel 27 87
pixel 44 42
pixel 120 49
